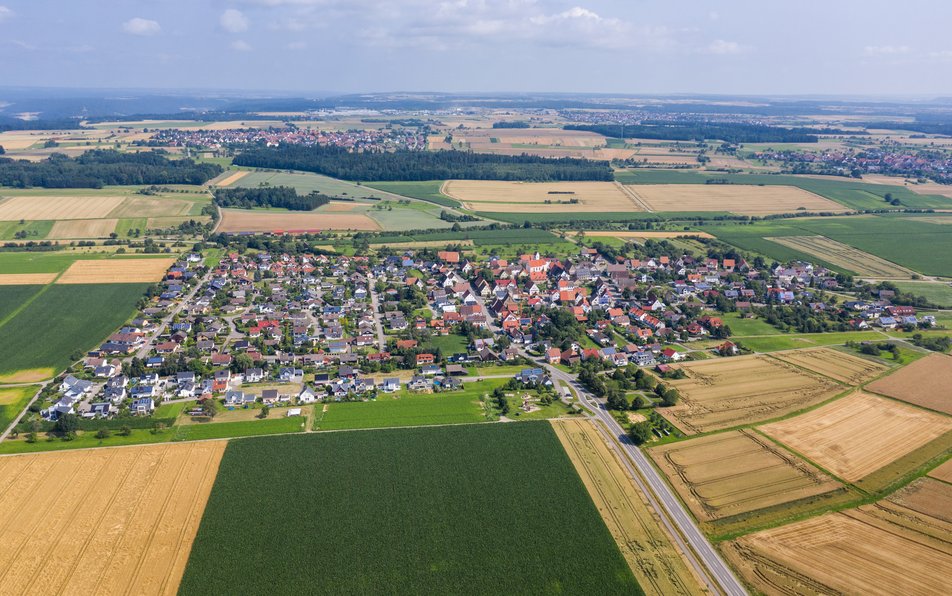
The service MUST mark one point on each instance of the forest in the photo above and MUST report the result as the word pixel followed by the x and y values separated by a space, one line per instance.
pixel 282 197
pixel 102 167
pixel 731 132
pixel 338 162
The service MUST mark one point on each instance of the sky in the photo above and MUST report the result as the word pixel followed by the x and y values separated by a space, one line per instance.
pixel 808 47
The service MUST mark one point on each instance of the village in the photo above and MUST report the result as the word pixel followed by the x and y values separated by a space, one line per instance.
pixel 264 330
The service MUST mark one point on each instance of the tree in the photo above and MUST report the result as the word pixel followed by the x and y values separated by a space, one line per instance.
pixel 124 431
pixel 210 408
pixel 103 433
pixel 640 433
pixel 67 424
pixel 616 400
pixel 265 410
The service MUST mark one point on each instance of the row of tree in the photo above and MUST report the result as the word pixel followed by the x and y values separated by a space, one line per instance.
pixel 407 165
pixel 102 167
pixel 283 197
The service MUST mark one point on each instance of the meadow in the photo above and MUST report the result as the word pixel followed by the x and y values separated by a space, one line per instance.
pixel 425 191
pixel 303 182
pixel 456 510
pixel 13 297
pixel 939 294
pixel 407 409
pixel 61 320
pixel 12 401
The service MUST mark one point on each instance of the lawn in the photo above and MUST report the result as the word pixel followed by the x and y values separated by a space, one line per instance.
pixel 408 409
pixel 473 509
pixel 805 340
pixel 62 320
pixel 939 294
pixel 448 344
pixel 747 327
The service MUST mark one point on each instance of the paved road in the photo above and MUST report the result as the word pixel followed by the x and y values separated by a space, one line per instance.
pixel 661 496
pixel 375 307
pixel 187 300
pixel 16 421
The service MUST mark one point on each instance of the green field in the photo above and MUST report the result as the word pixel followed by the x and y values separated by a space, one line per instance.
pixel 13 297
pixel 473 509
pixel 612 216
pixel 41 262
pixel 64 319
pixel 448 344
pixel 939 294
pixel 773 343
pixel 415 216
pixel 408 409
pixel 305 183
pixel 12 402
pixel 36 230
pixel 918 245
pixel 846 191
pixel 245 428
pixel 747 327
pixel 483 237
pixel 425 191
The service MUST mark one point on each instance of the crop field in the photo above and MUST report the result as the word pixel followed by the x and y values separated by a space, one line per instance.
pixel 723 393
pixel 236 220
pixel 736 473
pixel 105 521
pixel 406 410
pixel 427 190
pixel 896 546
pixel 15 296
pixel 461 513
pixel 535 197
pixel 18 279
pixel 645 234
pixel 38 340
pixel 739 199
pixel 58 207
pixel 845 256
pixel 859 434
pixel 943 472
pixel 925 383
pixel 843 367
pixel 152 207
pixel 82 228
pixel 116 271
pixel 304 183
pixel 228 178
pixel 936 293
pixel 656 562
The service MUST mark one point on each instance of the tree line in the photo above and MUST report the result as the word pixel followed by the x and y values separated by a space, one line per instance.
pixel 102 167
pixel 282 197
pixel 406 165
pixel 732 132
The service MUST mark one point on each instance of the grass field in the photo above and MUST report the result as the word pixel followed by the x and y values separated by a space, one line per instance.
pixel 468 509
pixel 250 428
pixel 61 320
pixel 723 393
pixel 448 344
pixel 12 402
pixel 408 409
pixel 857 435
pixel 939 294
pixel 746 326
pixel 734 479
pixel 425 191
pixel 792 341
pixel 653 558
pixel 895 546
pixel 304 183
pixel 110 521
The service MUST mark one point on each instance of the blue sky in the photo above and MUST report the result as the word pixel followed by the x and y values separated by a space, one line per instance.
pixel 850 47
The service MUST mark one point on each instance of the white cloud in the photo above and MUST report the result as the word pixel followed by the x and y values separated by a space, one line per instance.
pixel 5 13
pixel 240 45
pixel 233 21
pixel 888 50
pixel 140 26
pixel 721 47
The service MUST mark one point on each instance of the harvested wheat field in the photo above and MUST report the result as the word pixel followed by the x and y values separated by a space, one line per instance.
pixel 116 271
pixel 82 228
pixel 234 220
pixel 44 207
pixel 843 367
pixel 151 207
pixel 341 207
pixel 943 472
pixel 540 197
pixel 897 546
pixel 926 382
pixel 859 434
pixel 844 255
pixel 227 179
pixel 102 521
pixel 656 562
pixel 734 198
pixel 738 472
pixel 25 279
pixel 727 392
pixel 29 375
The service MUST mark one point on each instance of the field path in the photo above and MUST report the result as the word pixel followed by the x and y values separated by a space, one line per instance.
pixel 635 198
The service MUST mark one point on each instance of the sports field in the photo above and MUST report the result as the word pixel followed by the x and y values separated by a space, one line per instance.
pixel 857 435
pixel 727 392
pixel 116 271
pixel 845 256
pixel 736 473
pixel 654 559
pixel 473 509
pixel 735 198
pixel 926 382
pixel 895 546
pixel 109 521
pixel 240 220
pixel 535 197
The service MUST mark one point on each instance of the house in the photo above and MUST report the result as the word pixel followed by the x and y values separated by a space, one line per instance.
pixel 253 375
pixel 291 375
pixel 142 406
pixel 419 383
pixel 307 396
pixel 269 397
pixel 390 385
pixel 99 410
pixel 533 377
pixel 430 369
pixel 425 358
pixel 672 355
